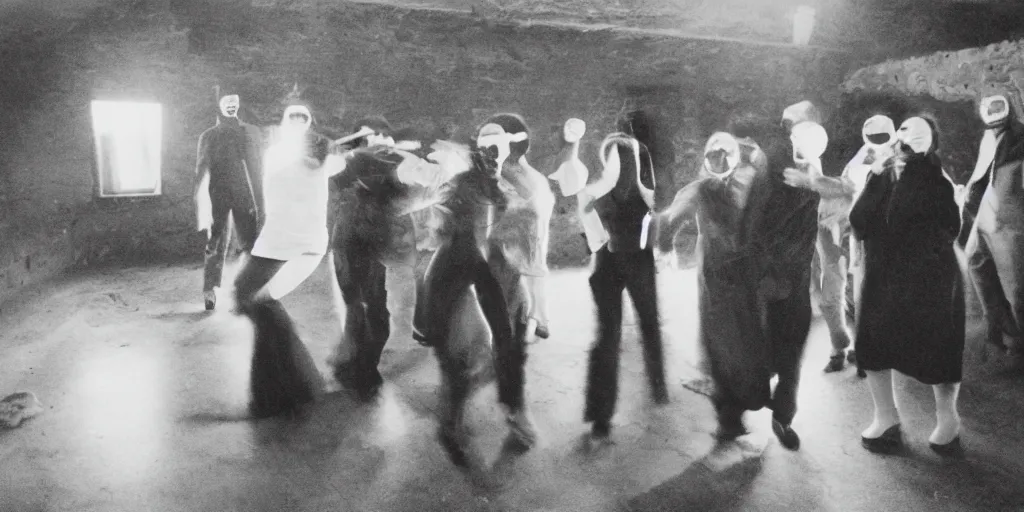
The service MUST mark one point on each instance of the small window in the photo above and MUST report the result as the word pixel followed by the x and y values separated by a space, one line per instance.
pixel 128 147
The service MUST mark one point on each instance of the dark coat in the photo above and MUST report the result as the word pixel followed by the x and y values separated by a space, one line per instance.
pixel 231 152
pixel 1003 202
pixel 912 304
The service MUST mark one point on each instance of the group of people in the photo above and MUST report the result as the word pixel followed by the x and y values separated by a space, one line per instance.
pixel 764 210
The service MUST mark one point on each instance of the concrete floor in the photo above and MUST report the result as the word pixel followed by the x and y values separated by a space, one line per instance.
pixel 145 398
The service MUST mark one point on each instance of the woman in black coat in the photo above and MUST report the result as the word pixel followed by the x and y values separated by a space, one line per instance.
pixel 912 301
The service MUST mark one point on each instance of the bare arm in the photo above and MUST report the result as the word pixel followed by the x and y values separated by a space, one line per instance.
pixel 202 161
pixel 683 205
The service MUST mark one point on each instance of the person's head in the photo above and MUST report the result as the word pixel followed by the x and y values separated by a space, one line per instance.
pixel 515 126
pixel 800 112
pixel 878 132
pixel 721 155
pixel 382 132
pixel 996 111
pixel 229 104
pixel 918 135
pixel 573 130
pixel 296 119
pixel 809 141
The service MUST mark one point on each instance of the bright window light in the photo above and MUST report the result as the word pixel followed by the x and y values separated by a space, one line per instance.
pixel 128 147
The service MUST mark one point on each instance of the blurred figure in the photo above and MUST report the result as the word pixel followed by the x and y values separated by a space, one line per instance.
pixel 625 262
pixel 837 196
pixel 228 184
pixel 733 337
pixel 912 304
pixel 289 248
pixel 993 224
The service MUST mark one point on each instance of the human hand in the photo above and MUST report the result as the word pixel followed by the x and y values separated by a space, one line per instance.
pixel 796 178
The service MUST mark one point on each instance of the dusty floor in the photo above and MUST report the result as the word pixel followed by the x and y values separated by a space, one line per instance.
pixel 145 396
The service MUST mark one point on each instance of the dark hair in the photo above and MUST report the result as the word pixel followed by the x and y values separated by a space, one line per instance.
pixel 512 123
pixel 377 123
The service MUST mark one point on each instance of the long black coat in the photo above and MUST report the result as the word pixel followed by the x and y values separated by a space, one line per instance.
pixel 912 303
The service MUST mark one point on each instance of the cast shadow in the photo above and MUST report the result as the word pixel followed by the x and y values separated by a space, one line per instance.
pixel 705 485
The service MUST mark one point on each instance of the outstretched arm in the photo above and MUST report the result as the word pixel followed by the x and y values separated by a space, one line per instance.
pixel 684 204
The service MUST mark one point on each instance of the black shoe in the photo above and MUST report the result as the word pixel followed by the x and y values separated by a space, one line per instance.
pixel 601 430
pixel 787 436
pixel 851 356
pixel 836 363
pixel 455 446
pixel 953 449
pixel 542 332
pixel 861 373
pixel 889 442
pixel 210 300
pixel 730 430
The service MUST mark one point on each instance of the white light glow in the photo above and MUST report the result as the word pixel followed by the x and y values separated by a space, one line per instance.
pixel 128 147
pixel 803 25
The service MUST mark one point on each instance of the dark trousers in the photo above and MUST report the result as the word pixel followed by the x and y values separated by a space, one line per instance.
pixel 457 264
pixel 247 227
pixel 363 282
pixel 283 375
pixel 613 272
pixel 788 322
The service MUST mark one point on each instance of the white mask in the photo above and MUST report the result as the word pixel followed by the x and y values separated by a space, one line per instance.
pixel 229 105
pixel 296 125
pixel 492 134
pixel 809 142
pixel 573 130
pixel 379 139
pixel 876 127
pixel 995 110
pixel 916 134
pixel 721 141
pixel 572 174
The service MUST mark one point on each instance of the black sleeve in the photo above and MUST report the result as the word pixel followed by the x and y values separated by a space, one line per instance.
pixel 867 214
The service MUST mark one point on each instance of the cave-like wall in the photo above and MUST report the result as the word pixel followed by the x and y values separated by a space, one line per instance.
pixel 437 73
pixel 947 84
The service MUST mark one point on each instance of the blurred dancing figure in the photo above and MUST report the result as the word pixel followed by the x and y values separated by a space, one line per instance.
pixel 289 248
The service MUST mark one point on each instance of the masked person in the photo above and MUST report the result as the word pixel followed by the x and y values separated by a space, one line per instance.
pixel 837 195
pixel 290 246
pixel 228 174
pixel 993 224
pixel 572 176
pixel 783 234
pixel 523 231
pixel 625 262
pixel 459 262
pixel 732 334
pixel 912 305
pixel 372 230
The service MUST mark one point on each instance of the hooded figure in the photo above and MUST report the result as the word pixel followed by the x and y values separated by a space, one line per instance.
pixel 993 224
pixel 911 309
pixel 289 248
pixel 625 262
pixel 228 182
pixel 732 334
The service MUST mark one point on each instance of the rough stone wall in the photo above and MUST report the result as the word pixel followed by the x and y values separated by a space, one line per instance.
pixel 437 73
pixel 949 85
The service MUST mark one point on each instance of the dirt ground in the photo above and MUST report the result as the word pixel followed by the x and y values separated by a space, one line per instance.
pixel 145 396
